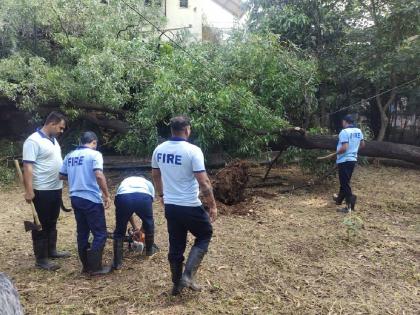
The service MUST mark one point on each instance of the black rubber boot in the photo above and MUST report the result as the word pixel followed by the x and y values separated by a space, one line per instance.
pixel 193 262
pixel 176 271
pixel 344 210
pixel 338 198
pixel 118 253
pixel 352 204
pixel 151 247
pixel 83 259
pixel 41 255
pixel 52 246
pixel 94 260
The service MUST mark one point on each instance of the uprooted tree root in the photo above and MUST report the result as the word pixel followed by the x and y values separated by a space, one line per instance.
pixel 230 182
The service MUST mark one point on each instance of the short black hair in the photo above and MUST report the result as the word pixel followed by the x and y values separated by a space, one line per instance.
pixel 349 118
pixel 55 118
pixel 88 137
pixel 179 123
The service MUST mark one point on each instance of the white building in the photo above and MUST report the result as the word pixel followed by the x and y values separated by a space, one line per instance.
pixel 192 15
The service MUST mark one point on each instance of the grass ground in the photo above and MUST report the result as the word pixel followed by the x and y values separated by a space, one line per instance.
pixel 289 255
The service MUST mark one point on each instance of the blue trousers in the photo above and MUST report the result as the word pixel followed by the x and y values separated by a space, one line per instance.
pixel 182 220
pixel 345 171
pixel 90 217
pixel 127 204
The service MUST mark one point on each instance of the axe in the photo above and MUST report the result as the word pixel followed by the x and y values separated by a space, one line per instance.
pixel 29 226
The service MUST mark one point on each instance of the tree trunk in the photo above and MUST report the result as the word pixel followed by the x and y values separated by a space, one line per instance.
pixel 114 124
pixel 383 108
pixel 384 125
pixel 298 137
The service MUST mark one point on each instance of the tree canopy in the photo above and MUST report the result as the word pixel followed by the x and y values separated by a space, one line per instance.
pixel 295 63
pixel 363 48
pixel 104 63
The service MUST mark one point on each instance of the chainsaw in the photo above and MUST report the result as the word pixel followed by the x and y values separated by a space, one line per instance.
pixel 135 243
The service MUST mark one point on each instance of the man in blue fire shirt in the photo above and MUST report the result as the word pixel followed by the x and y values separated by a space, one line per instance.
pixel 83 168
pixel 179 175
pixel 350 140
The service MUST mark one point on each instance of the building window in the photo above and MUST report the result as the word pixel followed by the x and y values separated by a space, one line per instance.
pixel 155 2
pixel 183 3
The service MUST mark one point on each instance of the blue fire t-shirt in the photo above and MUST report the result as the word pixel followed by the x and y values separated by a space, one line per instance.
pixel 79 166
pixel 352 136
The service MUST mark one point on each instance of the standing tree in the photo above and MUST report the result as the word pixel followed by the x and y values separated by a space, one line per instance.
pixel 362 47
pixel 315 26
pixel 384 43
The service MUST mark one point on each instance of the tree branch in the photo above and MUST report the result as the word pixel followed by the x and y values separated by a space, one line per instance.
pixel 393 92
pixel 61 24
pixel 114 124
pixel 282 149
pixel 126 29
pixel 88 106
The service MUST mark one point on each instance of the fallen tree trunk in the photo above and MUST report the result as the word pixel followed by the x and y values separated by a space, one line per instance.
pixel 299 138
pixel 108 123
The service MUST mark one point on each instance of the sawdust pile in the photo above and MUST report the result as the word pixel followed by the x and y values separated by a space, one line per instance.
pixel 230 182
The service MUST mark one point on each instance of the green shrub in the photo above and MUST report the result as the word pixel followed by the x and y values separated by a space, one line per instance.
pixel 307 159
pixel 7 175
pixel 8 150
pixel 353 224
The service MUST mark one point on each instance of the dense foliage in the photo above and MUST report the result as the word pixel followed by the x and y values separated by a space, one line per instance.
pixel 245 84
pixel 105 64
pixel 295 63
pixel 362 48
pixel 74 54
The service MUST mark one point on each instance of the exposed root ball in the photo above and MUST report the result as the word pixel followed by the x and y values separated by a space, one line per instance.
pixel 230 182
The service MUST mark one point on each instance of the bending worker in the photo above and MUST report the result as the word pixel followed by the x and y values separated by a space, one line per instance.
pixel 134 195
pixel 350 140
pixel 179 174
pixel 41 163
pixel 83 168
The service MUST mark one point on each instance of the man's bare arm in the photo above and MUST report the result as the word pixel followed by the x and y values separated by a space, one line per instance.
pixel 62 177
pixel 157 182
pixel 362 144
pixel 134 223
pixel 207 192
pixel 343 148
pixel 101 180
pixel 137 230
pixel 27 182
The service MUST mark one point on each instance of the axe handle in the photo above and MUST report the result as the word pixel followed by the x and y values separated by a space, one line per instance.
pixel 35 215
pixel 329 156
pixel 19 172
